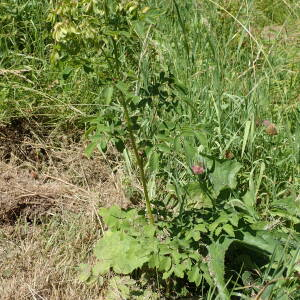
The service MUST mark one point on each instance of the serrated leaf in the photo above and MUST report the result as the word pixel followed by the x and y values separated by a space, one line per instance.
pixel 196 256
pixel 164 147
pixel 176 256
pixel 260 225
pixel 126 254
pixel 188 132
pixel 179 270
pixel 218 231
pixel 212 227
pixel 288 204
pixel 202 136
pixel 108 93
pixel 149 230
pixel 111 215
pixel 224 175
pixel 196 194
pixel 135 99
pixel 166 275
pixel 123 266
pixel 154 261
pixel 123 87
pixel 153 162
pixel 217 251
pixel 103 250
pixel 284 214
pixel 196 236
pixel 165 249
pixel 132 259
pixel 139 28
pixel 194 275
pixel 249 199
pixel 201 227
pixel 263 240
pixel 119 288
pixel 229 230
pixel 90 149
pixel 165 263
pixel 190 151
pixel 102 145
pixel 100 129
pixel 234 219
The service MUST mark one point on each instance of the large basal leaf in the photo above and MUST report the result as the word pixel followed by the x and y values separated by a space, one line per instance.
pixel 195 275
pixel 224 175
pixel 116 218
pixel 288 207
pixel 217 251
pixel 264 240
pixel 122 252
pixel 197 195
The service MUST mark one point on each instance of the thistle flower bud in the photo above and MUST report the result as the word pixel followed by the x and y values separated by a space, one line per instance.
pixel 198 170
pixel 266 123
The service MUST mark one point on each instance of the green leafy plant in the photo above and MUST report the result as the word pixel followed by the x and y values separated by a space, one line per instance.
pixel 120 24
pixel 190 246
pixel 202 205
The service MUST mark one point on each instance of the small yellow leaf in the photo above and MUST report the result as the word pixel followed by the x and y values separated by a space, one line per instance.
pixel 145 9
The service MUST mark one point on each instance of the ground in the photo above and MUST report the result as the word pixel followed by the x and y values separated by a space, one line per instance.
pixel 49 195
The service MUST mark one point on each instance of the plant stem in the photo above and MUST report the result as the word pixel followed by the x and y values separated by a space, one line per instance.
pixel 132 139
pixel 138 158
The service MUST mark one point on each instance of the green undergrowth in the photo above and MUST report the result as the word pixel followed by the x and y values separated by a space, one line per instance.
pixel 202 100
pixel 30 87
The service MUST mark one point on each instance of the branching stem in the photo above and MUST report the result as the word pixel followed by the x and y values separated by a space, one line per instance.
pixel 138 157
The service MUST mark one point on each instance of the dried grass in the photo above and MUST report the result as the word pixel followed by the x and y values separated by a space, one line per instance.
pixel 48 218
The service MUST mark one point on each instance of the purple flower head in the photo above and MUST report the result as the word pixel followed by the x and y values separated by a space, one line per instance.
pixel 266 123
pixel 198 170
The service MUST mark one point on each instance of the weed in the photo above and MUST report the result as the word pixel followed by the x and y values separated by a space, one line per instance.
pixel 180 89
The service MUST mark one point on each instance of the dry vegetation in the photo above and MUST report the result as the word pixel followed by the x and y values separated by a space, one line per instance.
pixel 49 195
